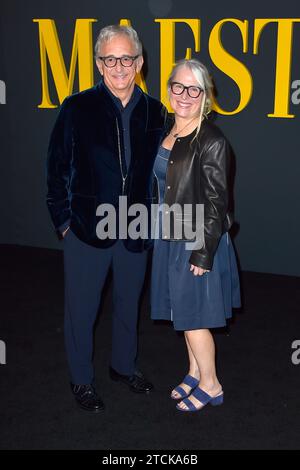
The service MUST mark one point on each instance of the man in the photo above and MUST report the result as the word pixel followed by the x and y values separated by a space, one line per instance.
pixel 103 146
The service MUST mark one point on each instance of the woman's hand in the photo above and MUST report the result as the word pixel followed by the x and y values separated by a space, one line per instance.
pixel 198 271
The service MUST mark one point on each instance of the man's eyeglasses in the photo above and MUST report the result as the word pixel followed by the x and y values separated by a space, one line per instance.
pixel 178 88
pixel 111 61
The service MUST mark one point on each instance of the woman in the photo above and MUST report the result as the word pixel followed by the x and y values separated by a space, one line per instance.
pixel 194 289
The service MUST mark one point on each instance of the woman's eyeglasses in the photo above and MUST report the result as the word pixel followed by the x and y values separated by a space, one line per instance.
pixel 178 88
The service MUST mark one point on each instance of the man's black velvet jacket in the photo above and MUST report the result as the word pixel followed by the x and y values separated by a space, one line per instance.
pixel 85 155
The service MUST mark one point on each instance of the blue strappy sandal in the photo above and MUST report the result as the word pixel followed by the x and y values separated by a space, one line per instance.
pixel 191 382
pixel 204 398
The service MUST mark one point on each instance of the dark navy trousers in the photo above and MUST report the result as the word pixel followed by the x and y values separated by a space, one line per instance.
pixel 85 270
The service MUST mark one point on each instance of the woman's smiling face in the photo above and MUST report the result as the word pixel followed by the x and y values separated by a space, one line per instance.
pixel 183 105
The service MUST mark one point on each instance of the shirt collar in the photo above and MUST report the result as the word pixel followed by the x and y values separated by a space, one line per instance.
pixel 136 94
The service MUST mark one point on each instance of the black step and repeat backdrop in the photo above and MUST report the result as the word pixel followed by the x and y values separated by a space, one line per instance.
pixel 252 50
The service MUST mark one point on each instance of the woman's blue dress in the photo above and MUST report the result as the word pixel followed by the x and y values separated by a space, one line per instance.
pixel 191 302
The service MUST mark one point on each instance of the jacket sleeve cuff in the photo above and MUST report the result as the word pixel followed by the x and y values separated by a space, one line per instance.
pixel 201 260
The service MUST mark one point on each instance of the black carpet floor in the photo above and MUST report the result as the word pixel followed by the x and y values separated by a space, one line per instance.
pixel 262 386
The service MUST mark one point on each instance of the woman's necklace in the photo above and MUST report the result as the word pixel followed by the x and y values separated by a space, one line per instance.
pixel 177 133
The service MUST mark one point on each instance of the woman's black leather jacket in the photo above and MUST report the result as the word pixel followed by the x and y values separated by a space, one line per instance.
pixel 197 173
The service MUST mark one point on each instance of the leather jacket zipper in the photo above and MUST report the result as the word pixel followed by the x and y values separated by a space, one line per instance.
pixel 120 159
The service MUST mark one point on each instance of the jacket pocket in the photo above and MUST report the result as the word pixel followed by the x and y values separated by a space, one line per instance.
pixel 84 213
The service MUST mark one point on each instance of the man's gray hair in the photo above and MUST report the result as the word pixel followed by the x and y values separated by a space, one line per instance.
pixel 109 32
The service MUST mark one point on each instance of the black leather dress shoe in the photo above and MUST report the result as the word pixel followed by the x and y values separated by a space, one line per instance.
pixel 136 382
pixel 87 399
